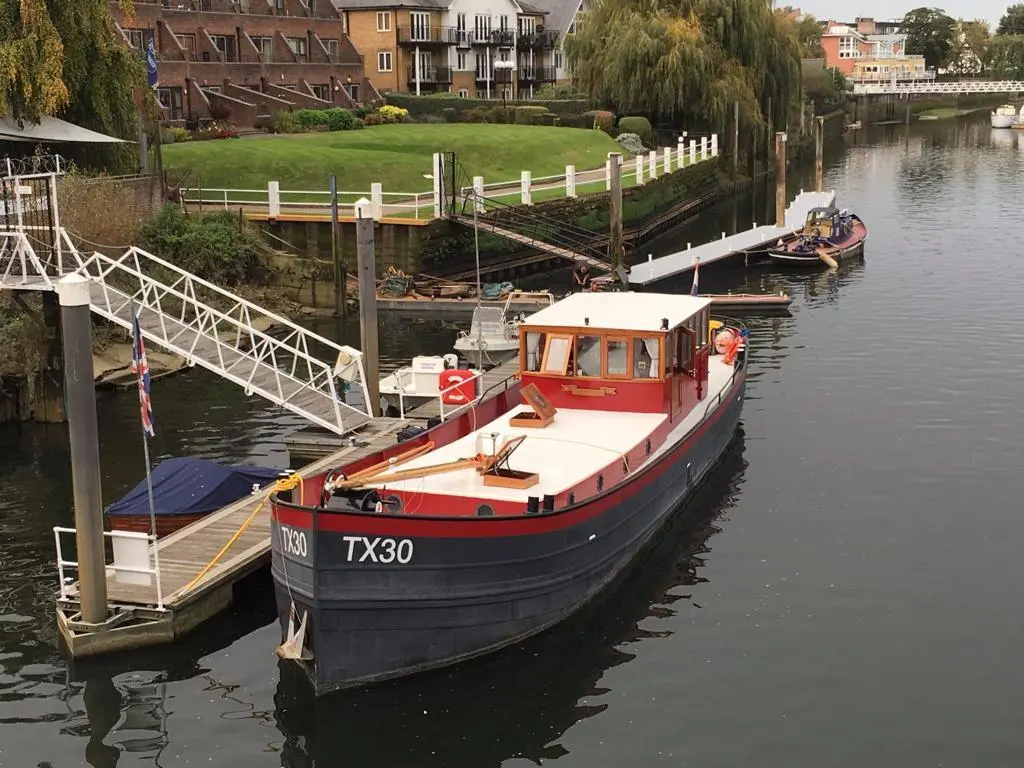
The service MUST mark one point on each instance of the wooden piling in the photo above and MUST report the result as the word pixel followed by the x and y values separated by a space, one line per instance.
pixel 819 149
pixel 617 255
pixel 780 179
pixel 368 305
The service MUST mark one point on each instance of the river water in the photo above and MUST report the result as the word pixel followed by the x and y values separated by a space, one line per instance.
pixel 846 590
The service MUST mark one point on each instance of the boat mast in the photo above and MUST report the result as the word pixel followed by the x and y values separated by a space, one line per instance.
pixel 476 247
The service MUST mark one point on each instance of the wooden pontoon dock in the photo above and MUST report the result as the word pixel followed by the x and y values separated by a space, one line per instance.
pixel 200 564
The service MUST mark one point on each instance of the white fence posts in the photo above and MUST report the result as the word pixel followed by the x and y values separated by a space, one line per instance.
pixel 376 201
pixel 273 200
pixel 478 193
pixel 607 175
pixel 438 175
pixel 418 205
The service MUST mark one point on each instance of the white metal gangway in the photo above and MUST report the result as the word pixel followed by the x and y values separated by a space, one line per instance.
pixel 932 87
pixel 203 323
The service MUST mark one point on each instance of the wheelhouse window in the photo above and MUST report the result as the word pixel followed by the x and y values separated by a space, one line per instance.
pixel 534 349
pixel 558 355
pixel 617 355
pixel 645 358
pixel 588 356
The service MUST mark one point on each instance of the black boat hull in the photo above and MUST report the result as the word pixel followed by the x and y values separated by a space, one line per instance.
pixel 471 586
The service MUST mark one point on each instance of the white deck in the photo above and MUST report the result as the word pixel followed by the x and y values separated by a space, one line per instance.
pixel 578 445
pixel 683 261
pixel 619 311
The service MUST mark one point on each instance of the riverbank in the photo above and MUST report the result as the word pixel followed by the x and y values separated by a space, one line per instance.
pixel 395 156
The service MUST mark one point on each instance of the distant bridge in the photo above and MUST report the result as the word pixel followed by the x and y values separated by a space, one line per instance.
pixel 934 88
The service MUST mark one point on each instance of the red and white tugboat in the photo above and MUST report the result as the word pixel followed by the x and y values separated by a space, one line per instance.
pixel 499 523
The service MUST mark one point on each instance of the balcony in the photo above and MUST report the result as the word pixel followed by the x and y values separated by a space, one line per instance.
pixel 497 75
pixel 542 40
pixel 901 75
pixel 503 38
pixel 431 76
pixel 426 36
pixel 537 75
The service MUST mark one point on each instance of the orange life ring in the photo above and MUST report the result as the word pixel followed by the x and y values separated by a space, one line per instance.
pixel 457 395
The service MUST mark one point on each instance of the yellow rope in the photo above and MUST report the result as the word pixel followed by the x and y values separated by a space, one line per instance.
pixel 284 484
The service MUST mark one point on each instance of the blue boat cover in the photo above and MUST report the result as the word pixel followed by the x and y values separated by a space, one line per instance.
pixel 183 486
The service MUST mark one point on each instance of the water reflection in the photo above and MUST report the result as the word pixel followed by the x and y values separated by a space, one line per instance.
pixel 516 703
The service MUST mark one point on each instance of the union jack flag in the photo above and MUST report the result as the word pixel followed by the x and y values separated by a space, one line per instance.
pixel 140 367
pixel 696 276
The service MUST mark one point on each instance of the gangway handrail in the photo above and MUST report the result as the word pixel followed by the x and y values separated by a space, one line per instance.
pixel 115 534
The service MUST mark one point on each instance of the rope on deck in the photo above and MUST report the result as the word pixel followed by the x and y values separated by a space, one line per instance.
pixel 284 484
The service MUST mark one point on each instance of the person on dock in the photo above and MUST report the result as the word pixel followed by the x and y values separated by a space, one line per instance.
pixel 581 277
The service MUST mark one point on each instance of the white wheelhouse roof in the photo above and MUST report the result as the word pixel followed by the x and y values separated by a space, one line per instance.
pixel 619 311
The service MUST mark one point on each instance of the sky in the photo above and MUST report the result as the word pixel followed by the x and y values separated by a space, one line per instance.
pixel 990 10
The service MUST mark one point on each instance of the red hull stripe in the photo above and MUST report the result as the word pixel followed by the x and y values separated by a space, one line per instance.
pixel 527 525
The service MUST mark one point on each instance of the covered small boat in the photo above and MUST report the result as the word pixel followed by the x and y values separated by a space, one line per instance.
pixel 497 524
pixel 185 490
pixel 828 237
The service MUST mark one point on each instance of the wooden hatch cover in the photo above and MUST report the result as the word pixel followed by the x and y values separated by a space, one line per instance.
pixel 499 473
pixel 543 411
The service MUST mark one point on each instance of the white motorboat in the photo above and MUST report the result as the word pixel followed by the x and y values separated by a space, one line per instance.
pixel 1004 116
pixel 429 377
pixel 497 330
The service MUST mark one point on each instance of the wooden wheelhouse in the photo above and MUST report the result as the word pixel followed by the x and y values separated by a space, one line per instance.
pixel 629 352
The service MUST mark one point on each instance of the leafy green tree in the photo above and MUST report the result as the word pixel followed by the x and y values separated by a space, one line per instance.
pixel 1012 22
pixel 930 33
pixel 688 60
pixel 1005 57
pixel 65 58
pixel 970 43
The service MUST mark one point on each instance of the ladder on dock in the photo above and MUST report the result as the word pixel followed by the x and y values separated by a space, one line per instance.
pixel 206 325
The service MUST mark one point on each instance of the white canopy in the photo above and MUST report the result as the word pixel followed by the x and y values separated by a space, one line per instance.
pixel 52 130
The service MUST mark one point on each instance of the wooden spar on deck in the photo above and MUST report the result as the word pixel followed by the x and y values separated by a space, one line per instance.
pixel 388 463
pixel 824 256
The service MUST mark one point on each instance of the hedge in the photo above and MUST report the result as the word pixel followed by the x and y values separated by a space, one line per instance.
pixel 436 104
pixel 641 126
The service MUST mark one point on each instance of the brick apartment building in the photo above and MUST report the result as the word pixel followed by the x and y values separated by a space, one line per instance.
pixel 255 56
pixel 486 49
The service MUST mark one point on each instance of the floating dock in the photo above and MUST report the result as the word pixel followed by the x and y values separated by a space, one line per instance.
pixel 200 564
pixel 417 304
pixel 756 238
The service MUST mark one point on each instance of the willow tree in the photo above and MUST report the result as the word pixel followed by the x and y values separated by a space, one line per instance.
pixel 688 61
pixel 65 58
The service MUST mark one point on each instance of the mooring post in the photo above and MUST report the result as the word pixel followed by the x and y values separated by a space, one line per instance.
pixel 617 257
pixel 819 150
pixel 339 268
pixel 780 179
pixel 368 304
pixel 735 140
pixel 80 391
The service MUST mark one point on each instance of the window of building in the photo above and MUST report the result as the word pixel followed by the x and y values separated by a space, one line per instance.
pixel 503 22
pixel 483 66
pixel 298 46
pixel 226 45
pixel 848 47
pixel 482 27
pixel 559 61
pixel 460 62
pixel 333 48
pixel 265 45
pixel 139 39
pixel 384 61
pixel 463 93
pixel 188 42
pixel 321 91
pixel 279 6
pixel 383 21
pixel 353 91
pixel 171 100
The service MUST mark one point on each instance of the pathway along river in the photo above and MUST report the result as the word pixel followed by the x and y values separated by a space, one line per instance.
pixel 846 591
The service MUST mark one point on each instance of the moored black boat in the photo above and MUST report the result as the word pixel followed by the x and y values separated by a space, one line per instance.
pixel 497 524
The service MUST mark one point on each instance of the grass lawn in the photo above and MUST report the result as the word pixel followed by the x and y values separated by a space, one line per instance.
pixel 397 156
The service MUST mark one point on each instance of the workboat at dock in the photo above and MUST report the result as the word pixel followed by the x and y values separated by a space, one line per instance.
pixel 501 521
